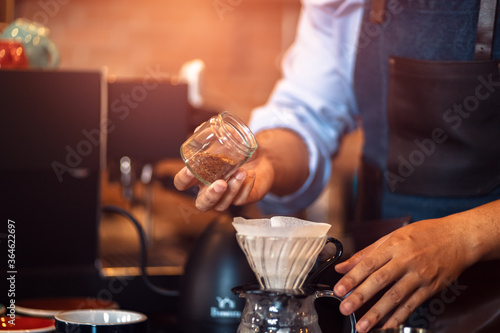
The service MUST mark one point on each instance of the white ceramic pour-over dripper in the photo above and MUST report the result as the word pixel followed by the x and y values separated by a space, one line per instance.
pixel 282 250
pixel 280 262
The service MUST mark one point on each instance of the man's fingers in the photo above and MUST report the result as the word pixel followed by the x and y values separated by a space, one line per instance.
pixel 363 267
pixel 209 196
pixel 233 187
pixel 220 194
pixel 243 195
pixel 403 295
pixel 184 179
pixel 406 308
pixel 377 281
pixel 347 265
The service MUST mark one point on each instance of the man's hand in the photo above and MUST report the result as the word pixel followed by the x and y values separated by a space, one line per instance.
pixel 279 165
pixel 418 260
pixel 240 189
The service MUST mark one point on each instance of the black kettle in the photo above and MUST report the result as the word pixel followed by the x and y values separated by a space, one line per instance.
pixel 215 265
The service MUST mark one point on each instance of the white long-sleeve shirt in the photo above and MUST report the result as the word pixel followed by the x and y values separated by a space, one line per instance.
pixel 315 97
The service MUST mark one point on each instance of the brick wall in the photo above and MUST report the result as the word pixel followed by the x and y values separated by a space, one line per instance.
pixel 240 41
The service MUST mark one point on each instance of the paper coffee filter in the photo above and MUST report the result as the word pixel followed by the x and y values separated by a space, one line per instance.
pixel 280 226
pixel 281 250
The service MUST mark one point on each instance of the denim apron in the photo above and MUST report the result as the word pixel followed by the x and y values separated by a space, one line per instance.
pixel 428 92
pixel 430 109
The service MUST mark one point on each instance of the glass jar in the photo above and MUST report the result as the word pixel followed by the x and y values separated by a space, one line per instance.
pixel 218 147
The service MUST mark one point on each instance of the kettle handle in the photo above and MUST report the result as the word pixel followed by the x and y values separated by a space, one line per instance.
pixel 331 294
pixel 329 262
pixel 143 251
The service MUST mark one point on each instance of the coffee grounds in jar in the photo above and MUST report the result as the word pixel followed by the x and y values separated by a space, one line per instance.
pixel 211 167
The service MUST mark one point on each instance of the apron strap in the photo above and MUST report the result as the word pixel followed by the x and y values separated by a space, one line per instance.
pixel 485 29
pixel 485 25
pixel 377 11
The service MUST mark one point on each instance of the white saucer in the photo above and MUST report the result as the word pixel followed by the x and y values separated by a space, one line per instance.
pixel 49 307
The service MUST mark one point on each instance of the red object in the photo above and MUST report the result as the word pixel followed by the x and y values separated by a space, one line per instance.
pixel 12 55
pixel 26 323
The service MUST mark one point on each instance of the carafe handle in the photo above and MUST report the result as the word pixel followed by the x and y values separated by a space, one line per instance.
pixel 331 294
pixel 329 262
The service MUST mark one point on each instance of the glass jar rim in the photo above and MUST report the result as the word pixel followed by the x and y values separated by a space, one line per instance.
pixel 249 144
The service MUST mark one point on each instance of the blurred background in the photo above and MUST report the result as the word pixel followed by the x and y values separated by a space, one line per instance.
pixel 110 54
pixel 240 41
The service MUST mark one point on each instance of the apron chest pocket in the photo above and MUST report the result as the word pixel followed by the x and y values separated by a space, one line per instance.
pixel 444 127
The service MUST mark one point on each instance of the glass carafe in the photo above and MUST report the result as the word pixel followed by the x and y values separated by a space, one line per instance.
pixel 283 311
